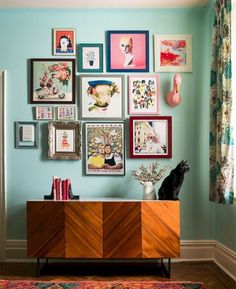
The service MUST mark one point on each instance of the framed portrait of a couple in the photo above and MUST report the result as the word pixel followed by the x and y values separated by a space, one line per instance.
pixel 128 51
pixel 151 137
pixel 104 148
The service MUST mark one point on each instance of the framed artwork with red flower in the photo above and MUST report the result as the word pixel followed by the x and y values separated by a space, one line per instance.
pixel 173 53
pixel 151 137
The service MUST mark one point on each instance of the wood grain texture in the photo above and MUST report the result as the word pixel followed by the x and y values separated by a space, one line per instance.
pixel 45 229
pixel 122 230
pixel 83 230
pixel 160 229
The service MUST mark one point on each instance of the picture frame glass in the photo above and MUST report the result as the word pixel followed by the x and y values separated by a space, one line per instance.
pixel 144 95
pixel 105 150
pixel 65 140
pixel 44 112
pixel 102 96
pixel 150 137
pixel 66 112
pixel 128 51
pixel 52 81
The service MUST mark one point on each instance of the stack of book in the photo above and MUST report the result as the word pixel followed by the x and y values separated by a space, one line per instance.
pixel 61 190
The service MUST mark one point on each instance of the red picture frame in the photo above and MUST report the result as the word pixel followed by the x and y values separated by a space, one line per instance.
pixel 151 137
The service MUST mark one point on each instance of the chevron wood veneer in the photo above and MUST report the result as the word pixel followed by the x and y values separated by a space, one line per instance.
pixel 160 229
pixel 122 230
pixel 80 229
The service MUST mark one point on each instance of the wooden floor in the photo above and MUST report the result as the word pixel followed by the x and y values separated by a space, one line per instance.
pixel 207 272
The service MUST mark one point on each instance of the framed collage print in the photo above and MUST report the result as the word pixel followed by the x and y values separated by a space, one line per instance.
pixel 101 96
pixel 52 80
pixel 151 137
pixel 144 94
pixel 104 148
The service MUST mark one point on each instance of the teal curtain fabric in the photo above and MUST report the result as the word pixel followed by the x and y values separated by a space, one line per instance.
pixel 221 129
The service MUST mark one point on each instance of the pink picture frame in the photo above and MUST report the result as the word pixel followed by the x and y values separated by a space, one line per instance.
pixel 144 94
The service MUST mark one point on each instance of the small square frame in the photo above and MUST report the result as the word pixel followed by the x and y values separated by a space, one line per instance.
pixel 64 140
pixel 128 51
pixel 173 53
pixel 64 37
pixel 19 142
pixel 105 134
pixel 151 137
pixel 90 57
pixel 144 93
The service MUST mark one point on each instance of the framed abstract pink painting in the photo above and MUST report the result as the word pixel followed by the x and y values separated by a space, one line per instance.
pixel 173 53
pixel 128 51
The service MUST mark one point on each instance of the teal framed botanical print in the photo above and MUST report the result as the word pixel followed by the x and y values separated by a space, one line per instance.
pixel 90 57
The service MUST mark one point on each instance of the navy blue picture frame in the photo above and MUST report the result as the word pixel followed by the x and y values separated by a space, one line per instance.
pixel 115 49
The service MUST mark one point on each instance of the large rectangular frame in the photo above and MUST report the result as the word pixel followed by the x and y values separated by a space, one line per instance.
pixel 151 137
pixel 173 53
pixel 52 80
pixel 102 96
pixel 104 148
pixel 64 140
pixel 128 51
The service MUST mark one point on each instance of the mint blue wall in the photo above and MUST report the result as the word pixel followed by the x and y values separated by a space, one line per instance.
pixel 27 34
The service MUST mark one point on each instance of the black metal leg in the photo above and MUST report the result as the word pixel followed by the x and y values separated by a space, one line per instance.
pixel 166 271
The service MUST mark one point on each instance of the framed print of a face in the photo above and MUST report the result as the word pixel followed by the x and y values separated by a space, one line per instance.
pixel 64 42
pixel 104 145
pixel 101 96
pixel 128 51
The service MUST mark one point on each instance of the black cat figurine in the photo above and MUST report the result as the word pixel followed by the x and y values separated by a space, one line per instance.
pixel 171 185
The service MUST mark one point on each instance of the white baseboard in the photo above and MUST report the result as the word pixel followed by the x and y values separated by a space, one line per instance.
pixel 225 258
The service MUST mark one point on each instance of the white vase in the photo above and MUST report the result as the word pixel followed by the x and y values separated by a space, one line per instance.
pixel 149 192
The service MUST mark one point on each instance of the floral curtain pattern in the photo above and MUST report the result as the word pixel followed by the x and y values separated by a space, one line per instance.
pixel 221 129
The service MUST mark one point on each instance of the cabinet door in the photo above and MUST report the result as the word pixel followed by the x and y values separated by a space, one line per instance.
pixel 83 229
pixel 122 230
pixel 160 229
pixel 45 229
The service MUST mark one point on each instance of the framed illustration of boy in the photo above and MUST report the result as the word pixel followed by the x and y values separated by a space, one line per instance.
pixel 64 41
pixel 173 53
pixel 151 137
pixel 64 140
pixel 90 57
pixel 144 94
pixel 104 146
pixel 52 80
pixel 128 51
pixel 102 96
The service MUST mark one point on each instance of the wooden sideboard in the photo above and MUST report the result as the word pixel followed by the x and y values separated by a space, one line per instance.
pixel 103 229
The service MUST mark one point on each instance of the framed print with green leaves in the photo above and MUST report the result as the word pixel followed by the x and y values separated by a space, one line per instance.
pixel 90 57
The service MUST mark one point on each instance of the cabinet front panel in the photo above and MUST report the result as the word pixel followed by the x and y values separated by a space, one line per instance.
pixel 122 230
pixel 160 229
pixel 45 229
pixel 84 230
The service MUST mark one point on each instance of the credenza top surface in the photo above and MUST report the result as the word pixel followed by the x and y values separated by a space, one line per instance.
pixel 100 200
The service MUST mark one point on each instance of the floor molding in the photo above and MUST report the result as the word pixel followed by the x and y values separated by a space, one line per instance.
pixel 205 250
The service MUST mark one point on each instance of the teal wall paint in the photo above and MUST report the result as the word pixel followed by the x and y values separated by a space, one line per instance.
pixel 27 34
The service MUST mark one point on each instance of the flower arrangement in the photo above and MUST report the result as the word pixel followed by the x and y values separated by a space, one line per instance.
pixel 149 173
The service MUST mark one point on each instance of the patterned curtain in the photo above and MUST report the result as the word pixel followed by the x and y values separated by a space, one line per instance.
pixel 221 130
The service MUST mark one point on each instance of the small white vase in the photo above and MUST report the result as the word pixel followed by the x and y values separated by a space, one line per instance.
pixel 149 192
